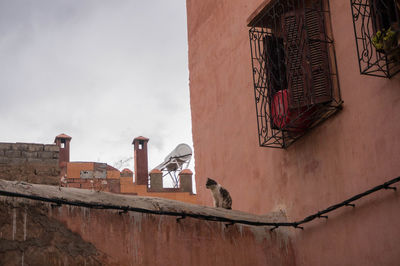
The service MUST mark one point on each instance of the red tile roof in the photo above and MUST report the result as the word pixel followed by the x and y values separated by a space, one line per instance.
pixel 63 136
pixel 126 170
pixel 155 171
pixel 140 138
pixel 186 171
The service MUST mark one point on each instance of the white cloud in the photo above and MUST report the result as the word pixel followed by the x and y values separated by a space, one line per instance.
pixel 101 71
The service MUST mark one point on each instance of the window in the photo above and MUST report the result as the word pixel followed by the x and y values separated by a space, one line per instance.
pixel 294 70
pixel 377 34
pixel 385 14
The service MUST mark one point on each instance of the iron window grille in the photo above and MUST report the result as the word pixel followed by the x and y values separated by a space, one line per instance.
pixel 294 69
pixel 373 20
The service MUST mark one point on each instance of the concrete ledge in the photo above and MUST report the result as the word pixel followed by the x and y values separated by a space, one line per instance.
pixel 88 198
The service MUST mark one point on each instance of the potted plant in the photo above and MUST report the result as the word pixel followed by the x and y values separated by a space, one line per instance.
pixel 385 41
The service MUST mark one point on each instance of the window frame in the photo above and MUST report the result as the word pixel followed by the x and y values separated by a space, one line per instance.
pixel 284 116
pixel 367 21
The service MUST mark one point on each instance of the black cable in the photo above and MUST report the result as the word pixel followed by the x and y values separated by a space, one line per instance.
pixel 183 215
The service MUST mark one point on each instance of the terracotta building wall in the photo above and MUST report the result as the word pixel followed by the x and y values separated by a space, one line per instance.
pixel 113 174
pixel 116 183
pixel 128 187
pixel 348 154
pixel 35 233
pixel 74 169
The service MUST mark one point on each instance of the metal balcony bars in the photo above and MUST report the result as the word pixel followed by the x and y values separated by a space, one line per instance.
pixel 294 70
pixel 377 35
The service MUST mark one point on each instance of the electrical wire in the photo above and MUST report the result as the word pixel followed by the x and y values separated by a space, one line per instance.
pixel 182 215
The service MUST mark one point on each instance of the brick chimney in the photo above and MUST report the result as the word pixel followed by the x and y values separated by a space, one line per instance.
pixel 62 141
pixel 156 180
pixel 140 160
pixel 185 178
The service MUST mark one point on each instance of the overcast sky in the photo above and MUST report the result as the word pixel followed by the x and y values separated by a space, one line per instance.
pixel 101 71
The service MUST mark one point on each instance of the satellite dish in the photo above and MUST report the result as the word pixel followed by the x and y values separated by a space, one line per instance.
pixel 175 161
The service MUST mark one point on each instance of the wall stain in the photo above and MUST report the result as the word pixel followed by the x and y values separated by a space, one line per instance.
pixel 30 237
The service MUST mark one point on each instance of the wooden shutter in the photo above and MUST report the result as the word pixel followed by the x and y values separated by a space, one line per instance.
pixel 319 60
pixel 295 51
pixel 306 58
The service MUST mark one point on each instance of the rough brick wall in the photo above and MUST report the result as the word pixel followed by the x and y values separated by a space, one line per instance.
pixel 30 237
pixel 97 184
pixel 34 163
pixel 36 233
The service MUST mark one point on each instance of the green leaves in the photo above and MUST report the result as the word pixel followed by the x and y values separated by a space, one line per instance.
pixel 384 40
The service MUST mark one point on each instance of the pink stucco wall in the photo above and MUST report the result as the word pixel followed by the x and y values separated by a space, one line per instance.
pixel 143 239
pixel 37 233
pixel 348 154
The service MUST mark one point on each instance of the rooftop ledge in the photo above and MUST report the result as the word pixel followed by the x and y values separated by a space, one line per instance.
pixel 151 205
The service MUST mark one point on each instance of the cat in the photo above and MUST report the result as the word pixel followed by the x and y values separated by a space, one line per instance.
pixel 220 195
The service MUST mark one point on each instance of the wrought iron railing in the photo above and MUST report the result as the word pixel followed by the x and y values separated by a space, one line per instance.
pixel 377 33
pixel 294 69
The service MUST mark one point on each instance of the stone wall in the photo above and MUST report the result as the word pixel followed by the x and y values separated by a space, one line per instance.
pixel 41 233
pixel 30 237
pixel 34 163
